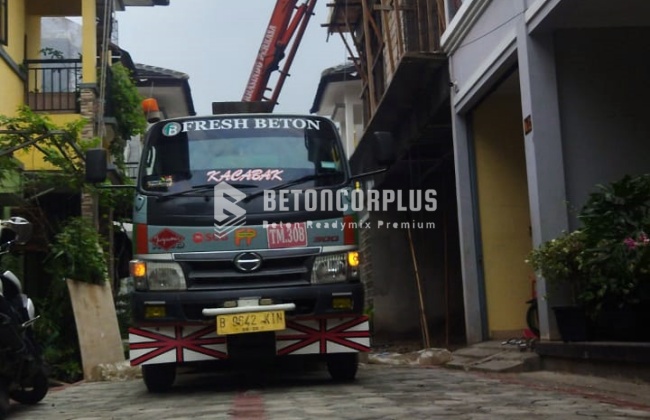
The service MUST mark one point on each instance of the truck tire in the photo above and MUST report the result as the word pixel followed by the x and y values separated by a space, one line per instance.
pixel 159 378
pixel 343 366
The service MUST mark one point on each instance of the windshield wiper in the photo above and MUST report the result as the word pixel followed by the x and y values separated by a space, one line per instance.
pixel 290 184
pixel 203 187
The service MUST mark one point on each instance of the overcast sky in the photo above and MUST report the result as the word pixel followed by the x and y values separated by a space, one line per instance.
pixel 215 42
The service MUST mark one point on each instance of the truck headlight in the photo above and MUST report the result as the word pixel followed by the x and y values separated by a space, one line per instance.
pixel 334 268
pixel 156 275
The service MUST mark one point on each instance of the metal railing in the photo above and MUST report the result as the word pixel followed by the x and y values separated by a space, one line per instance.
pixel 53 85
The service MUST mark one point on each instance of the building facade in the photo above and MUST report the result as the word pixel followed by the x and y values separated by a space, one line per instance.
pixel 58 68
pixel 514 110
pixel 547 101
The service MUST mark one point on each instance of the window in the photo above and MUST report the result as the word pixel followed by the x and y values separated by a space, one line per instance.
pixel 262 150
pixel 4 21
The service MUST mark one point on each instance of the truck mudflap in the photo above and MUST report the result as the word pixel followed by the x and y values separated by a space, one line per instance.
pixel 193 343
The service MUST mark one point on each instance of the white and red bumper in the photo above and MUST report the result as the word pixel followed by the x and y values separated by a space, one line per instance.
pixel 192 343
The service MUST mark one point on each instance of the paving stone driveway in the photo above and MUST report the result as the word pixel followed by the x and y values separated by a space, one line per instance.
pixel 380 392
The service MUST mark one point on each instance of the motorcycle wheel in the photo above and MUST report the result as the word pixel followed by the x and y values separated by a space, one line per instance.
pixel 35 393
pixel 4 403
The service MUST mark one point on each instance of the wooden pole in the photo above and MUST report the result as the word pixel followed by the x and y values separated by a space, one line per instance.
pixel 446 256
pixel 423 317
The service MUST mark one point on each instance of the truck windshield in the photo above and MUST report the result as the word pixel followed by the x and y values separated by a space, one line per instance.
pixel 255 152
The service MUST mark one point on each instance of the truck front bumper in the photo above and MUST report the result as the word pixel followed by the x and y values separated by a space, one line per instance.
pixel 188 306
pixel 187 332
pixel 181 344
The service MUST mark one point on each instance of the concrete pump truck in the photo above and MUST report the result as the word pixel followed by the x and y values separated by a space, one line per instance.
pixel 224 269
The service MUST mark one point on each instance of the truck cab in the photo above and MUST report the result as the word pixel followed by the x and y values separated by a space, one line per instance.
pixel 244 248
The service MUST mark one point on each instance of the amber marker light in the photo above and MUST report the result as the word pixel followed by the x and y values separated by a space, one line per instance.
pixel 342 303
pixel 138 268
pixel 155 311
pixel 353 258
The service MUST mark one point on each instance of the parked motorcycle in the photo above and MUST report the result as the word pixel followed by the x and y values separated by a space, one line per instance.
pixel 23 375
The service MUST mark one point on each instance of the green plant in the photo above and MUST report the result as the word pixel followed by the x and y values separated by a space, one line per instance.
pixel 616 259
pixel 60 145
pixel 77 253
pixel 52 53
pixel 57 334
pixel 126 105
pixel 559 261
pixel 617 210
pixel 606 262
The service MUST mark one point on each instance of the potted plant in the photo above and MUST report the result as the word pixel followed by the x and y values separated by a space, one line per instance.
pixel 559 262
pixel 606 263
pixel 616 259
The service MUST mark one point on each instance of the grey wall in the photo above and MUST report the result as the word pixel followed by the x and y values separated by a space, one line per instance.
pixel 395 297
pixel 494 26
pixel 603 87
pixel 396 300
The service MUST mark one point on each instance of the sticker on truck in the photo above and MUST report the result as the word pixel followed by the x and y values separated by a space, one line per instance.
pixel 286 235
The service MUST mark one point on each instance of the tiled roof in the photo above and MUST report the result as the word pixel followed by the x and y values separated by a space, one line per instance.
pixel 147 71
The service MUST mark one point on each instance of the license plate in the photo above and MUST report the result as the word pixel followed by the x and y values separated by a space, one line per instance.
pixel 287 235
pixel 250 322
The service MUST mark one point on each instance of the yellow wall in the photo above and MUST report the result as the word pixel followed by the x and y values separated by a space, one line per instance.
pixel 24 23
pixel 11 90
pixel 33 30
pixel 504 212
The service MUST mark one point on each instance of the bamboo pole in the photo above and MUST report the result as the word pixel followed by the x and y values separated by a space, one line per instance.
pixel 423 318
pixel 446 257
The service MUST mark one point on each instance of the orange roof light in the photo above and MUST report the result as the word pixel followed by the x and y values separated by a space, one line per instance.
pixel 150 105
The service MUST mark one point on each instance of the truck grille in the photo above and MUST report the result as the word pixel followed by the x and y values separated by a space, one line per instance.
pixel 216 271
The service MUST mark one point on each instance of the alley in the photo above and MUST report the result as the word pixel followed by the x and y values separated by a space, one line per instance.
pixel 381 392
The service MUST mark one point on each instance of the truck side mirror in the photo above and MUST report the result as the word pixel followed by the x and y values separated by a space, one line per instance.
pixel 96 165
pixel 384 148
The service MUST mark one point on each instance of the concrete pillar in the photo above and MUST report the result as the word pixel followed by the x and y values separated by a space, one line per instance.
pixel 88 110
pixel 473 294
pixel 89 41
pixel 33 28
pixel 544 157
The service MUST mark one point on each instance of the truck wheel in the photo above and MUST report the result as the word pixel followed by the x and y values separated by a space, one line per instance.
pixel 343 366
pixel 159 378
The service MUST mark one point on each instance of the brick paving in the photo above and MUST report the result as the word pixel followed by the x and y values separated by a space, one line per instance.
pixel 380 392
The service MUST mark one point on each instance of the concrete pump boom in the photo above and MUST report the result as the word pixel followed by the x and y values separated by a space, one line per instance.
pixel 286 21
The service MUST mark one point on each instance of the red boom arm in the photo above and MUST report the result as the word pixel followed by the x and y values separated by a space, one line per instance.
pixel 286 21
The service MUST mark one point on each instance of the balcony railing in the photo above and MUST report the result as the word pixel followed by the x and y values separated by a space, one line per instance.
pixel 53 85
